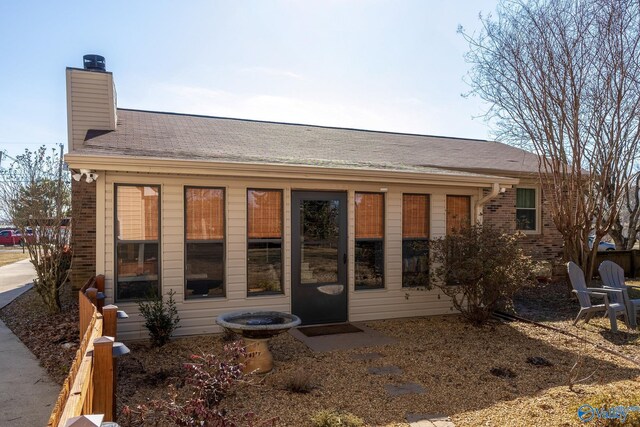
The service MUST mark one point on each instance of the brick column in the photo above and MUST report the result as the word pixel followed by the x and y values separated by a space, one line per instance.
pixel 83 237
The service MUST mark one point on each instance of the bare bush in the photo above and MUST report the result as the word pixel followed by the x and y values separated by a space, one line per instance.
pixel 480 268
pixel 35 196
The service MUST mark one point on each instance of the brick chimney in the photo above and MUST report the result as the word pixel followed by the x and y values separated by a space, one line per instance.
pixel 91 100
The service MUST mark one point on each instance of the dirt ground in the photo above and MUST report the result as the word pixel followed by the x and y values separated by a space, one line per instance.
pixel 455 363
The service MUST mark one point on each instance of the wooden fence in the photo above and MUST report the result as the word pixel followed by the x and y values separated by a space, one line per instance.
pixel 628 260
pixel 90 386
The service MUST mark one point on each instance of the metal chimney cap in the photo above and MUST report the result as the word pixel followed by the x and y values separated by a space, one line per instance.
pixel 94 62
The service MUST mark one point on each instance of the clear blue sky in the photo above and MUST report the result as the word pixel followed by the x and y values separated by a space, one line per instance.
pixel 384 65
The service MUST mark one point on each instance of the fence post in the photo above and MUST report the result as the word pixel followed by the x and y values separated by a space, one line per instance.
pixel 103 372
pixel 92 294
pixel 110 321
pixel 85 421
pixel 99 284
pixel 110 329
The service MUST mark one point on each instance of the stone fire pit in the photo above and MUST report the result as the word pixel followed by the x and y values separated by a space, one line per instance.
pixel 256 327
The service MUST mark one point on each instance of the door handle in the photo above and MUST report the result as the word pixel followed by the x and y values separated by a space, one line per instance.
pixel 344 258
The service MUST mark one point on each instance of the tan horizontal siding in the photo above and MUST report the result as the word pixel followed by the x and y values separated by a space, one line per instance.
pixel 90 104
pixel 198 316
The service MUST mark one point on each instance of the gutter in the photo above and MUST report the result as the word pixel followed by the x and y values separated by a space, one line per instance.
pixel 495 190
pixel 282 171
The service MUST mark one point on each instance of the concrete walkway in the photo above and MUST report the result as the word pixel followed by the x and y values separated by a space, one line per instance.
pixel 15 279
pixel 27 394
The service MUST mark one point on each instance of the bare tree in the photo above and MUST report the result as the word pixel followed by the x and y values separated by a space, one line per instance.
pixel 626 225
pixel 36 198
pixel 562 78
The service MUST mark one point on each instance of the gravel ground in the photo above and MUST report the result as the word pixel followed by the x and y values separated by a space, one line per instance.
pixel 554 305
pixel 449 358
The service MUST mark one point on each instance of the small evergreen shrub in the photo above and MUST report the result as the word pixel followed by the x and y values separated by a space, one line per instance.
pixel 160 318
pixel 326 418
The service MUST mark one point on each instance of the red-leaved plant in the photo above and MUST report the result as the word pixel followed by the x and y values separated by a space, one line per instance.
pixel 210 378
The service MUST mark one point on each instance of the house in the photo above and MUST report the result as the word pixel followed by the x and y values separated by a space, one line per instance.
pixel 330 224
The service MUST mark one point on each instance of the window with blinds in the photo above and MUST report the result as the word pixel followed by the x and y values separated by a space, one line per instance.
pixel 458 213
pixel 137 231
pixel 526 209
pixel 369 244
pixel 204 242
pixel 415 240
pixel 264 241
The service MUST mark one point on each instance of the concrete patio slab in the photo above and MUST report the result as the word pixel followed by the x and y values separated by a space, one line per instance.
pixel 367 338
pixel 394 390
pixel 429 420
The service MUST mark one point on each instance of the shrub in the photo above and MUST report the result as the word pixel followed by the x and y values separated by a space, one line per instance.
pixel 160 318
pixel 209 378
pixel 326 418
pixel 480 268
pixel 299 381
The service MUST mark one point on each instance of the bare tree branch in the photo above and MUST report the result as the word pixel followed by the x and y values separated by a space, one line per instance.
pixel 36 198
pixel 562 78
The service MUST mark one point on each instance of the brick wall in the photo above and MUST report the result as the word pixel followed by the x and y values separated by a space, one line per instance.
pixel 83 239
pixel 501 212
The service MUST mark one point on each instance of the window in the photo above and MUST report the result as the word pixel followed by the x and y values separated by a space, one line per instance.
pixel 204 242
pixel 137 231
pixel 458 213
pixel 369 253
pixel 415 240
pixel 264 241
pixel 526 212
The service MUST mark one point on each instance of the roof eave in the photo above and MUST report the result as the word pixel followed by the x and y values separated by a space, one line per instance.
pixel 272 170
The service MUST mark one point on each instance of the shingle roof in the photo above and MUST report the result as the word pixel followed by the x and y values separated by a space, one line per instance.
pixel 181 136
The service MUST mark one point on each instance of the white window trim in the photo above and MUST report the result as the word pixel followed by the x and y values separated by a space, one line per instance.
pixel 538 229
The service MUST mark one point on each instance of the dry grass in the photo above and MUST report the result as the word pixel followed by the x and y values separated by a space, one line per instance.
pixel 10 256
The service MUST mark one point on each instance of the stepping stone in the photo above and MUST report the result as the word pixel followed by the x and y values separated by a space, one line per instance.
pixel 429 420
pixel 366 356
pixel 385 370
pixel 400 389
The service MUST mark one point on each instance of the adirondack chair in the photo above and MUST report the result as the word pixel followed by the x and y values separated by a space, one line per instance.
pixel 612 298
pixel 612 276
